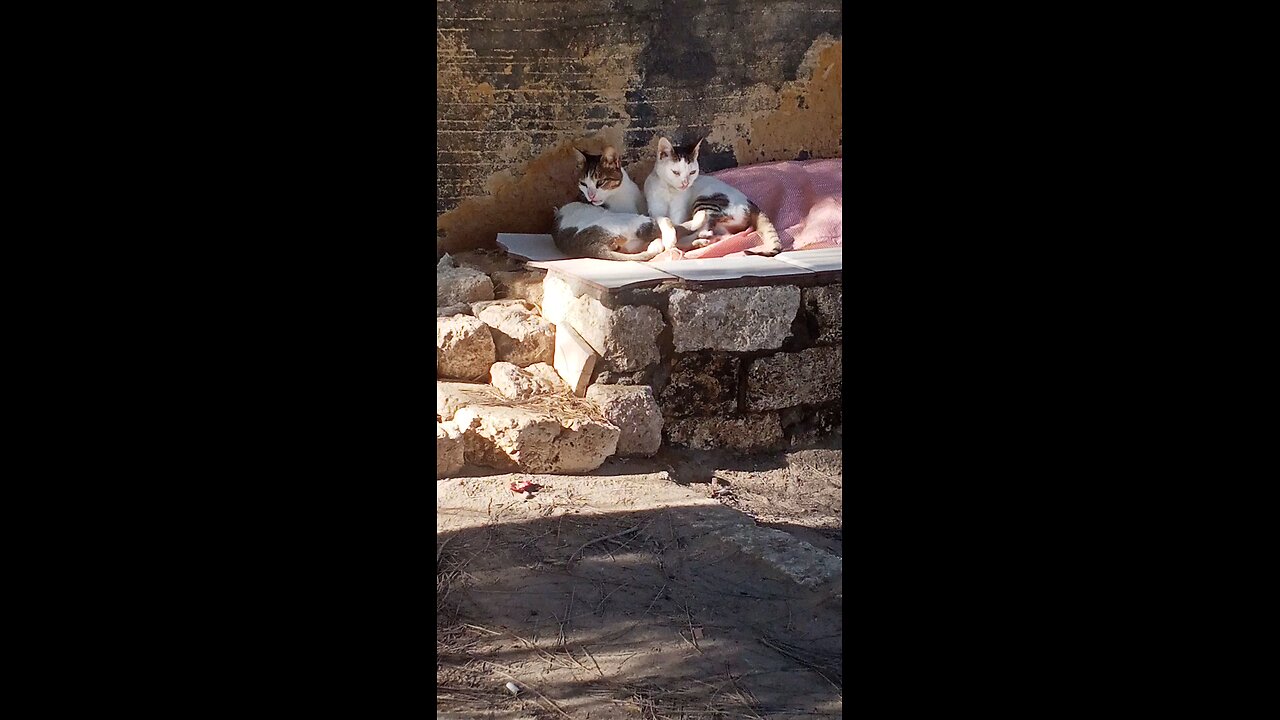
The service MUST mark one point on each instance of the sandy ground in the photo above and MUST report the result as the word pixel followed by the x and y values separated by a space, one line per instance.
pixel 619 594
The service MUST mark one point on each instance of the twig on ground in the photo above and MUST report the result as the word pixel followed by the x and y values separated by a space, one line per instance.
pixel 655 598
pixel 600 607
pixel 593 659
pixel 689 619
pixel 821 670
pixel 600 539
pixel 503 669
pixel 568 613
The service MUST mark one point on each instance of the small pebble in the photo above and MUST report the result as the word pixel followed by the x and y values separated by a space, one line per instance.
pixel 515 689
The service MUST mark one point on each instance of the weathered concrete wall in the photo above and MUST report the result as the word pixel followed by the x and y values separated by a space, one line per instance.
pixel 521 82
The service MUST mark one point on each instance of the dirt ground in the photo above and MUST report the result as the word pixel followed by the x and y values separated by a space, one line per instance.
pixel 619 594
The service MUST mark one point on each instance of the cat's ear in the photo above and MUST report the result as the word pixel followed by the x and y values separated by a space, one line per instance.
pixel 664 148
pixel 579 158
pixel 610 157
pixel 694 155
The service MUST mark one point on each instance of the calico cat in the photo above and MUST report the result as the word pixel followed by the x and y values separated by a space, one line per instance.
pixel 675 190
pixel 603 182
pixel 583 230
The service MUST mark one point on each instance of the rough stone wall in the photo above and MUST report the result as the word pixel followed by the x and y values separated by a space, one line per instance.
pixel 745 387
pixel 747 368
pixel 519 83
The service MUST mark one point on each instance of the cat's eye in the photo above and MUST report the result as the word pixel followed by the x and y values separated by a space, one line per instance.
pixel 676 173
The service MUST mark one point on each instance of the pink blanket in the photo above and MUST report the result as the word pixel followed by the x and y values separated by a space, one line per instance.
pixel 802 198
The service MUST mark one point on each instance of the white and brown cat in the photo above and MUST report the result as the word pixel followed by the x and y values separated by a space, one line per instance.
pixel 605 183
pixel 676 190
pixel 583 230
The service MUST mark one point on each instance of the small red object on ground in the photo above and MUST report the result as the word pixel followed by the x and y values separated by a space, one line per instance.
pixel 525 486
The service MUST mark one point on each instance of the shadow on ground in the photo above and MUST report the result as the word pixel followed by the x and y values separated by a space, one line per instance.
pixel 640 613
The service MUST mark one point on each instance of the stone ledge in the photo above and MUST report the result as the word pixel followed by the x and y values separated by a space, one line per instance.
pixel 746 433
pixel 735 319
pixel 604 278
pixel 808 377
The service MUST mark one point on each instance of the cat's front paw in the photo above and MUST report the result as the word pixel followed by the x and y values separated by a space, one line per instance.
pixel 764 252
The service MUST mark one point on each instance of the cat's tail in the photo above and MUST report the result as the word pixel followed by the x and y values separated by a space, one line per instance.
pixel 768 233
pixel 606 254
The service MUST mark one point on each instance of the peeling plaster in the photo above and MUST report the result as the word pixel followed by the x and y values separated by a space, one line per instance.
pixel 506 123
pixel 522 202
pixel 808 117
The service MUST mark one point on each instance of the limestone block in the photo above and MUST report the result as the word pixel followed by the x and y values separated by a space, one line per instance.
pixel 464 348
pixel 701 383
pixel 455 309
pixel 807 377
pixel 627 337
pixel 518 304
pixel 486 260
pixel 570 437
pixel 546 374
pixel 520 335
pixel 735 319
pixel 823 305
pixel 460 284
pixel 521 383
pixel 556 296
pixel 524 284
pixel 607 375
pixel 453 396
pixel 635 411
pixel 450 456
pixel 574 359
pixel 744 433
pixel 806 426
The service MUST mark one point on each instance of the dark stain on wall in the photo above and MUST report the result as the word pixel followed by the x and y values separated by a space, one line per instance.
pixel 519 83
pixel 679 51
pixel 713 157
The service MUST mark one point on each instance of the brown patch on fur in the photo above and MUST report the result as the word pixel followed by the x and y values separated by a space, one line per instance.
pixel 648 232
pixel 608 175
pixel 602 159
pixel 594 241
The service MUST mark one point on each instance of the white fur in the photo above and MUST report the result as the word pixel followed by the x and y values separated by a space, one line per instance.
pixel 663 192
pixel 626 198
pixel 582 215
pixel 662 189
pixel 737 208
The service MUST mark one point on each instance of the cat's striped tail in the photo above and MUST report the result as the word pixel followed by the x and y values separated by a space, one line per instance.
pixel 768 233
